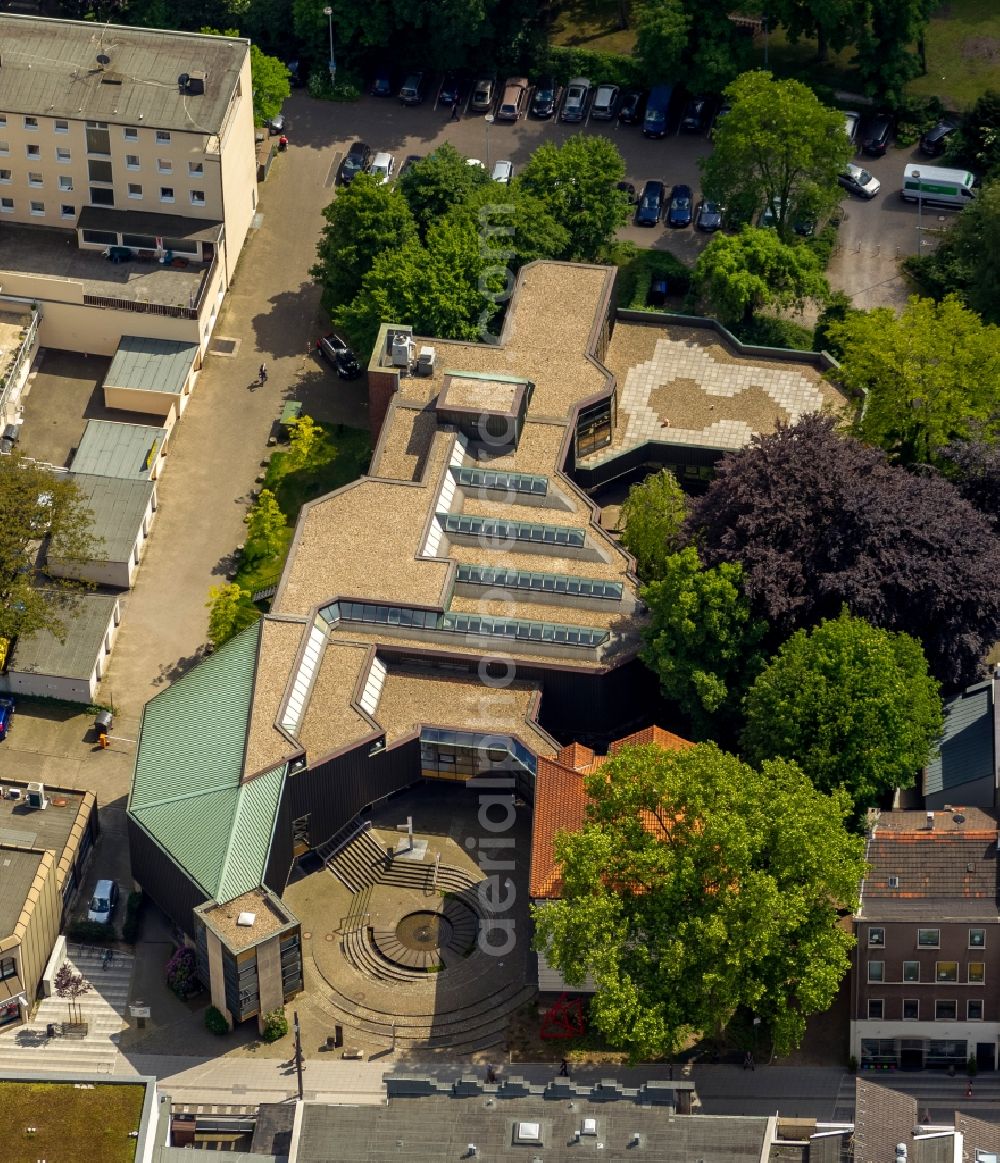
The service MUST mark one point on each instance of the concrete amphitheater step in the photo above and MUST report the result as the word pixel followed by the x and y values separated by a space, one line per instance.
pixel 502 1001
pixel 360 864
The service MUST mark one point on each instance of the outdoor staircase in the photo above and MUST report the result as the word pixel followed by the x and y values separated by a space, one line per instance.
pixel 28 1047
pixel 359 863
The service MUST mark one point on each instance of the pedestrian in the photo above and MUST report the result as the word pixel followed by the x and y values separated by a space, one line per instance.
pixel 454 110
pixel 564 1068
pixel 262 373
pixel 748 1062
pixel 491 1074
pixel 968 1089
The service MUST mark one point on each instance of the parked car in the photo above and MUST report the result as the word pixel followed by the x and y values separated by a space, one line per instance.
pixel 409 162
pixel 474 161
pixel 338 355
pixel 102 904
pixel 708 216
pixel 382 81
pixel 358 159
pixel 453 88
pixel 514 99
pixel 654 123
pixel 852 123
pixel 383 166
pixel 876 137
pixel 482 94
pixel 277 125
pixel 575 105
pixel 503 172
pixel 650 204
pixel 6 716
pixel 679 212
pixel 543 103
pixel 632 107
pixel 412 90
pixel 605 102
pixel 935 141
pixel 629 191
pixel 694 119
pixel 724 110
pixel 858 181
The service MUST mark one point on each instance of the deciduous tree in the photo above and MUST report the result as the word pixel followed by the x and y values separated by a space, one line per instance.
pixel 303 435
pixel 265 524
pixel 699 885
pixel 703 641
pixel 853 706
pixel 661 38
pixel 230 611
pixel 819 521
pixel 439 181
pixel 651 519
pixel 514 227
pixel 270 84
pixel 973 466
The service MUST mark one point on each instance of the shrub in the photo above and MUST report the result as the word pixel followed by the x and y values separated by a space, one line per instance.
pixel 768 331
pixel 823 244
pixel 133 918
pixel 182 973
pixel 275 1026
pixel 92 932
pixel 914 116
pixel 215 1021
pixel 639 272
pixel 566 62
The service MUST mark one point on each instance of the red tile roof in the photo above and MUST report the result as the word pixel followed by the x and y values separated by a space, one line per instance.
pixel 561 801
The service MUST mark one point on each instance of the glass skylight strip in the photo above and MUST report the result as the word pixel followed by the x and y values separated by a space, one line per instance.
pixel 545 583
pixel 499 530
pixel 487 478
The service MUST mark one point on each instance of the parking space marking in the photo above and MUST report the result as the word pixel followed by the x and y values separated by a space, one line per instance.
pixel 331 177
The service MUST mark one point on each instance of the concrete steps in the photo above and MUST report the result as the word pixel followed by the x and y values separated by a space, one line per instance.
pixel 360 864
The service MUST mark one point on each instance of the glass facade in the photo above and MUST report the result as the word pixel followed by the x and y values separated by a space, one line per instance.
pixel 594 427
pixel 508 482
pixel 546 583
pixel 493 529
pixel 461 755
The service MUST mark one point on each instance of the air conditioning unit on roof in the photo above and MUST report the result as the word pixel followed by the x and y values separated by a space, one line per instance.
pixel 36 796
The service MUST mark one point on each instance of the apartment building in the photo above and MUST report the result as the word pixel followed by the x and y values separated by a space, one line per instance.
pixel 139 140
pixel 927 957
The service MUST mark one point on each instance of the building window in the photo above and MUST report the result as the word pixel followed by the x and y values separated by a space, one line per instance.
pixel 977 972
pixel 37 208
pixel 7 205
pixel 98 138
pixel 102 197
pixel 67 211
pixel 3 119
pixel 166 193
pixel 131 161
pixel 164 166
pixel 62 127
pixel 946 971
pixel 911 1009
pixel 130 134
pixel 974 1013
pixel 8 968
pixel 876 1008
pixel 5 176
pixel 977 938
pixel 197 197
pixel 34 179
pixel 65 183
pixel 196 169
pixel 31 123
pixel 928 938
pixel 4 147
pixel 63 155
pixel 945 1011
pixel 876 937
pixel 911 970
pixel 99 171
pixel 134 190
pixel 33 150
pixel 162 137
pixel 876 971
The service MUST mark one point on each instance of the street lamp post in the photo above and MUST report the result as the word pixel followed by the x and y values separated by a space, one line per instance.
pixel 328 13
pixel 920 214
pixel 489 121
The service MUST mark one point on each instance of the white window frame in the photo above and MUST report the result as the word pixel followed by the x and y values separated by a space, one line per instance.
pixel 67 211
pixel 164 166
pixel 880 1016
pixel 197 197
pixel 911 979
pixel 968 973
pixel 8 178
pixel 196 169
pixel 134 190
pixel 61 126
pixel 979 1003
pixel 130 133
pixel 36 179
pixel 31 124
pixel 65 182
pixel 913 1001
pixel 5 148
pixel 63 155
pixel 982 944
pixel 4 208
pixel 32 150
pixel 132 161
pixel 945 1001
pixel 878 977
pixel 876 936
pixel 171 197
pixel 163 137
pixel 947 980
pixel 39 212
pixel 927 945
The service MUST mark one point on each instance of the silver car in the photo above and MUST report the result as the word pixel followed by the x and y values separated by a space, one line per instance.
pixel 577 95
pixel 382 167
pixel 103 902
pixel 859 181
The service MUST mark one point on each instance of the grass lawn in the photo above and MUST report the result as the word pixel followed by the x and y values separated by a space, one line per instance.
pixel 591 24
pixel 963 53
pixel 72 1126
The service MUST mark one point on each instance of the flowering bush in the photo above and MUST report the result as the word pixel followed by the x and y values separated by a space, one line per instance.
pixel 182 973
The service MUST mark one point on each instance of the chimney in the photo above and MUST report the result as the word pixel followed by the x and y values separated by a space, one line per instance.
pixel 930 821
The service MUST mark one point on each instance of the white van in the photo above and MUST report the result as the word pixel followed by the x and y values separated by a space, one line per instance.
pixel 935 186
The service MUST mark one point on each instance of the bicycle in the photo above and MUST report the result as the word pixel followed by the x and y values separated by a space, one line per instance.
pixel 261 379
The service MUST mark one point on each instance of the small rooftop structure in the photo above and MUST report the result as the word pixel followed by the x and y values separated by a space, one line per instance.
pixel 125 451
pixel 248 919
pixel 119 506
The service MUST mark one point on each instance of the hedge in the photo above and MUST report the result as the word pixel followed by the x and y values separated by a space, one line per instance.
pixel 133 918
pixel 92 932
pixel 603 68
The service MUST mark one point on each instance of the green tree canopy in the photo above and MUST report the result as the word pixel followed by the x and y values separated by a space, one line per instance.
pixel 738 274
pixel 266 526
pixel 834 23
pixel 661 38
pixel 697 886
pixel 702 641
pixel 513 230
pixel 651 519
pixel 930 375
pixel 885 57
pixel 778 148
pixel 33 503
pixel 270 85
pixel 853 706
pixel 365 219
pixel 576 182
pixel 439 181
pixel 230 611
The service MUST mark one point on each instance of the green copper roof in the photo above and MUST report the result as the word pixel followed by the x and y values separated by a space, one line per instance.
pixel 186 790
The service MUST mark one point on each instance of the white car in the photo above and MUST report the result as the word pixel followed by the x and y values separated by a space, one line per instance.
pixel 859 181
pixel 503 172
pixel 383 166
pixel 474 161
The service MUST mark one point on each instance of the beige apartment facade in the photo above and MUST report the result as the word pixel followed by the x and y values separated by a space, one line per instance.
pixel 135 139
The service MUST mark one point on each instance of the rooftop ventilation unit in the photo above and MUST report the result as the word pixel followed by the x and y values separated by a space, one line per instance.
pixel 36 796
pixel 196 82
pixel 402 350
pixel 246 919
pixel 426 358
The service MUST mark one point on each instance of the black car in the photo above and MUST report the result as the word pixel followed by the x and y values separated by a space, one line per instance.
pixel 543 103
pixel 935 141
pixel 708 216
pixel 337 354
pixel 356 162
pixel 409 162
pixel 629 191
pixel 453 89
pixel 679 211
pixel 632 107
pixel 877 133
pixel 694 119
pixel 382 82
pixel 650 204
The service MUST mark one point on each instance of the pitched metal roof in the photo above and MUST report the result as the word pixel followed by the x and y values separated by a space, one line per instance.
pixel 51 67
pixel 965 753
pixel 151 365
pixel 186 791
pixel 119 508
pixel 109 449
pixel 76 655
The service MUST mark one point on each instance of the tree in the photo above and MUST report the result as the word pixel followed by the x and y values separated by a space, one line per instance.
pixel 818 521
pixel 651 519
pixel 885 59
pixel 977 143
pixel 230 612
pixel 266 526
pixel 577 183
pixel 779 148
pixel 72 986
pixel 661 38
pixel 834 23
pixel 928 375
pixel 973 466
pixel 739 274
pixel 698 886
pixel 853 706
pixel 437 182
pixel 513 230
pixel 270 85
pixel 303 436
pixel 364 220
pixel 35 502
pixel 702 642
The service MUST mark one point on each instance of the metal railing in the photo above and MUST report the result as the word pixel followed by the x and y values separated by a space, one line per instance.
pixel 144 307
pixel 24 355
